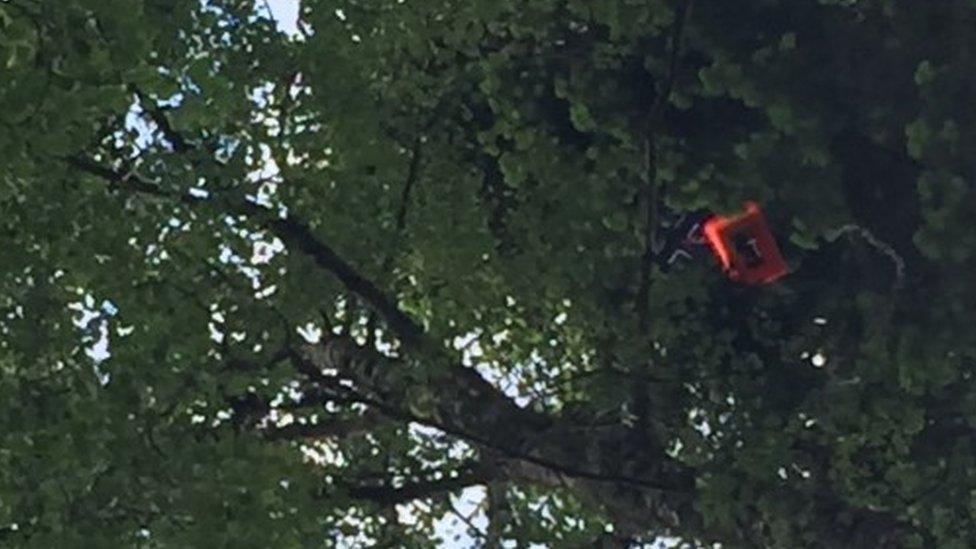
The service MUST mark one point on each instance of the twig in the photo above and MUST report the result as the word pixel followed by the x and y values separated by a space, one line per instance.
pixel 874 242
pixel 267 8
pixel 472 529
pixel 410 181
pixel 650 191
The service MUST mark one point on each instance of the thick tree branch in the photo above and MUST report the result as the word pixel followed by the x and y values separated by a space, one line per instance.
pixel 341 428
pixel 389 495
pixel 297 235
pixel 463 404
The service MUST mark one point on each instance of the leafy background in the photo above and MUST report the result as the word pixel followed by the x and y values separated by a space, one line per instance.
pixel 191 191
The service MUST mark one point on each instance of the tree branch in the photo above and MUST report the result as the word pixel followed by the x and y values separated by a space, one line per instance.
pixel 175 138
pixel 677 33
pixel 117 180
pixel 413 174
pixel 323 429
pixel 463 404
pixel 388 495
pixel 299 236
pixel 651 198
pixel 649 191
pixel 413 171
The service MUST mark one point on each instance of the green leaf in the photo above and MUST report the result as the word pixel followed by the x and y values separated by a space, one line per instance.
pixel 925 73
pixel 580 115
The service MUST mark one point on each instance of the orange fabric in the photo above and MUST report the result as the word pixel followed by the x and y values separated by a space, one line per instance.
pixel 760 262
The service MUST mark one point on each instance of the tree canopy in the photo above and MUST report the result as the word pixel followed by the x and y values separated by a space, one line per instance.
pixel 272 290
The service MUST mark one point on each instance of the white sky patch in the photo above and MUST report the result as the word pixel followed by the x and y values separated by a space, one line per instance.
pixel 216 321
pixel 262 95
pixel 470 504
pixel 310 332
pixel 356 524
pixel 523 382
pixel 666 542
pixel 197 192
pixel 324 451
pixel 285 14
pixel 99 352
pixel 699 422
pixel 508 383
pixel 136 123
pixel 268 170
pixel 453 531
pixel 262 251
pixel 470 347
pixel 93 322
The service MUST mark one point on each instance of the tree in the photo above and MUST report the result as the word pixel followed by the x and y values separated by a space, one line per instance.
pixel 262 290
